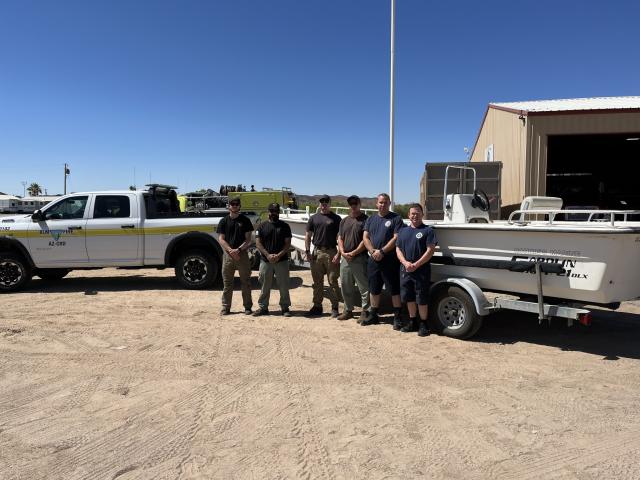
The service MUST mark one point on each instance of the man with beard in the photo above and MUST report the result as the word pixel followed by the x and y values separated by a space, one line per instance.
pixel 273 240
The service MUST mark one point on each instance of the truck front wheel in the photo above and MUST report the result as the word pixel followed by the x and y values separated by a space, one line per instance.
pixel 196 269
pixel 14 272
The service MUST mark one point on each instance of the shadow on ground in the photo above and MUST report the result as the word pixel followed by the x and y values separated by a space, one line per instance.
pixel 90 285
pixel 612 335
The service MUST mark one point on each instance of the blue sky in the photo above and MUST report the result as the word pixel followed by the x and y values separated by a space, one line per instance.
pixel 283 92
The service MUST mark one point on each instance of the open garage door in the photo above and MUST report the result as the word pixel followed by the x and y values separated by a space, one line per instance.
pixel 596 171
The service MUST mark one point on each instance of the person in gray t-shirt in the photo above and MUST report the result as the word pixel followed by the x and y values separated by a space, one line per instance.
pixel 353 265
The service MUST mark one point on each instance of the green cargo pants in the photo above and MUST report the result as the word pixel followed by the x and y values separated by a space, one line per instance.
pixel 281 271
pixel 322 265
pixel 229 267
pixel 354 282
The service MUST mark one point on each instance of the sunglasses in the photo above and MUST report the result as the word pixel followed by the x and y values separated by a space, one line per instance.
pixel 234 204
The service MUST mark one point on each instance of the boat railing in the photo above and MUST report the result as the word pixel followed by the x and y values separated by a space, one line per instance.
pixel 602 216
pixel 338 210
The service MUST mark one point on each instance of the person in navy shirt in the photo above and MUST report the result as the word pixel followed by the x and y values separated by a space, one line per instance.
pixel 415 247
pixel 380 233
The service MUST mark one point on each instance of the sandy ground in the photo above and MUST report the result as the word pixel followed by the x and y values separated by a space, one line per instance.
pixel 119 374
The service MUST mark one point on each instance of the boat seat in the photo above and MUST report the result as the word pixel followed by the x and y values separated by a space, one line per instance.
pixel 541 203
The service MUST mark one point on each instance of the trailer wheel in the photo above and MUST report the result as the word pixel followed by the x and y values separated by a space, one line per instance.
pixel 52 274
pixel 14 272
pixel 456 314
pixel 196 269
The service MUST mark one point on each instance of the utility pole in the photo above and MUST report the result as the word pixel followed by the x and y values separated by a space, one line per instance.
pixel 66 172
pixel 24 188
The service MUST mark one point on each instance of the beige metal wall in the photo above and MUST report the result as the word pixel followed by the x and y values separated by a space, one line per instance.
pixel 522 145
pixel 507 133
pixel 539 127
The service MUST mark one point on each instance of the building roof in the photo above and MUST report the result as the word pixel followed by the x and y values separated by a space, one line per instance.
pixel 570 105
pixel 8 197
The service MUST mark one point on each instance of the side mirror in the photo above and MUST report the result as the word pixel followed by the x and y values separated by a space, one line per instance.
pixel 37 216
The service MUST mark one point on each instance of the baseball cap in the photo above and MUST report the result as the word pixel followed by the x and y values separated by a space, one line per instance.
pixel 353 199
pixel 325 199
pixel 274 207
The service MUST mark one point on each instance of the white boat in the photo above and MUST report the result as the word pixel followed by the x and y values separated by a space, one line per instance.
pixel 591 261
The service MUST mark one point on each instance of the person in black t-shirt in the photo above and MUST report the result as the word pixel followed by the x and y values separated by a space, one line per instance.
pixel 415 247
pixel 273 240
pixel 234 235
pixel 322 229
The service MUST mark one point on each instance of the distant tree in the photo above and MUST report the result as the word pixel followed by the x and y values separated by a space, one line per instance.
pixel 402 209
pixel 34 189
pixel 132 188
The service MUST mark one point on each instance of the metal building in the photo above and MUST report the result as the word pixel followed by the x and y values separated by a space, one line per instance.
pixel 584 150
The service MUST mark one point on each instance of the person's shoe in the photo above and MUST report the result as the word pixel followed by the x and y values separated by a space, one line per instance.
pixel 314 311
pixel 225 311
pixel 260 312
pixel 410 326
pixel 363 316
pixel 372 319
pixel 423 329
pixel 345 316
pixel 286 312
pixel 247 311
pixel 334 313
pixel 397 323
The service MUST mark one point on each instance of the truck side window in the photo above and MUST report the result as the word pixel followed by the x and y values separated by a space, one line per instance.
pixel 112 206
pixel 69 208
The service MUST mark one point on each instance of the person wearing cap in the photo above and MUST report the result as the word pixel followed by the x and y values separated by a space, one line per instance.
pixel 353 265
pixel 234 236
pixel 380 234
pixel 273 240
pixel 415 247
pixel 322 230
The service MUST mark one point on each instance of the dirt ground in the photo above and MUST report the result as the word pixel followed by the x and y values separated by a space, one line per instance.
pixel 120 374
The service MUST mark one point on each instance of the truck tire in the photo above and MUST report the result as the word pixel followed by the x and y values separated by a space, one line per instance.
pixel 52 274
pixel 455 313
pixel 196 269
pixel 14 272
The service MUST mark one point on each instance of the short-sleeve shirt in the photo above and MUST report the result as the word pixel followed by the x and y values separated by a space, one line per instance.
pixel 413 242
pixel 273 235
pixel 234 229
pixel 382 229
pixel 351 231
pixel 324 228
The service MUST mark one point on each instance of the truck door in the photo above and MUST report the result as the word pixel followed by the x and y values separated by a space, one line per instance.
pixel 113 230
pixel 58 241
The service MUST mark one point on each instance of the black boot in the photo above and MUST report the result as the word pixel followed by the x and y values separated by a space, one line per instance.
pixel 410 326
pixel 372 319
pixel 397 322
pixel 423 329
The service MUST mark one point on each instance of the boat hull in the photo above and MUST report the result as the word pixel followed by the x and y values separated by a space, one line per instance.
pixel 599 264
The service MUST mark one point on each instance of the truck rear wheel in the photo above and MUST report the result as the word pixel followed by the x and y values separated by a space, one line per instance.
pixel 14 272
pixel 455 313
pixel 196 269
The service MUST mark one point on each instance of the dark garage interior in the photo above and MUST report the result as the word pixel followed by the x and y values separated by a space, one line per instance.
pixel 595 171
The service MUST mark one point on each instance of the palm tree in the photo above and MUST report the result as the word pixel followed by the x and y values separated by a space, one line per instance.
pixel 34 189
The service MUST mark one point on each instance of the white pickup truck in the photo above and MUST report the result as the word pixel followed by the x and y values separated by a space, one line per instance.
pixel 131 229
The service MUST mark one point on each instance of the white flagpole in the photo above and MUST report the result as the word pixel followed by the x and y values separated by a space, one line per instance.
pixel 391 113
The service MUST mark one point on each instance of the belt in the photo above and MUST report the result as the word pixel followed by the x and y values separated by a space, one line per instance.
pixel 325 248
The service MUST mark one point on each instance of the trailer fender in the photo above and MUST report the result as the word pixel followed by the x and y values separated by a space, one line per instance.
pixel 482 305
